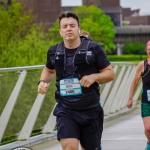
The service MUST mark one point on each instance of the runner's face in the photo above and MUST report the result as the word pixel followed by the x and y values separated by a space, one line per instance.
pixel 69 28
pixel 148 50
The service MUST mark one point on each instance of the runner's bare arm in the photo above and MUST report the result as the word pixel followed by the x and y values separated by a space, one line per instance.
pixel 46 77
pixel 105 75
pixel 47 74
pixel 137 76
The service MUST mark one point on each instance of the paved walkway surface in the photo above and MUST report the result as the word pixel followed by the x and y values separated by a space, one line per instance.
pixel 121 133
pixel 124 133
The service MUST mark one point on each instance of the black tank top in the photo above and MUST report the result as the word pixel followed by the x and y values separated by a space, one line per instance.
pixel 146 83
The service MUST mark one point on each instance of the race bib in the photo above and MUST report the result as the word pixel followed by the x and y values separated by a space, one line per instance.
pixel 148 95
pixel 70 87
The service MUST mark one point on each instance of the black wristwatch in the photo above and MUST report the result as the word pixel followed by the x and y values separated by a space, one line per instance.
pixel 41 81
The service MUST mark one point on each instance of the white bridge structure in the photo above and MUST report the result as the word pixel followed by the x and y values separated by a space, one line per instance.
pixel 19 120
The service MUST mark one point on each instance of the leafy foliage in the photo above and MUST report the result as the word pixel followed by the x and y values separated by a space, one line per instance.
pixel 126 58
pixel 134 48
pixel 54 33
pixel 21 41
pixel 98 24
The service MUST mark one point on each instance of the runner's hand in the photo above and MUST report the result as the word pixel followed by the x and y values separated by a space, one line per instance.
pixel 87 81
pixel 129 104
pixel 42 87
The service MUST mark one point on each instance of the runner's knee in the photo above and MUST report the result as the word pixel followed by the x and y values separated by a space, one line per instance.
pixel 69 144
pixel 147 129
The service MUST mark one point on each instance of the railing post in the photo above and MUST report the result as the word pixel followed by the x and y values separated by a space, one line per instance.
pixel 5 116
pixel 31 119
pixel 106 89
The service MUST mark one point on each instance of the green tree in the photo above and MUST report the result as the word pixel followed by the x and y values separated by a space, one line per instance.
pixel 13 24
pixel 93 20
pixel 31 50
pixel 22 42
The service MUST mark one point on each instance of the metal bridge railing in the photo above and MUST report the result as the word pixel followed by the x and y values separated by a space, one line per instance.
pixel 114 96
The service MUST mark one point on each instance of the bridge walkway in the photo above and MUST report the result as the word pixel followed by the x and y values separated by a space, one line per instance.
pixel 17 86
pixel 124 132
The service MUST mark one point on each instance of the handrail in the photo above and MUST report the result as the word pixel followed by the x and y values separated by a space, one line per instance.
pixel 21 68
pixel 111 98
pixel 41 66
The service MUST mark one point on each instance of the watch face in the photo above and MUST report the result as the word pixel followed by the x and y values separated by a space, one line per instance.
pixel 22 148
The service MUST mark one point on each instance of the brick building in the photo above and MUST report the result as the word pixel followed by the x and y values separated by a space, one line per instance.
pixel 113 9
pixel 127 12
pixel 139 20
pixel 92 2
pixel 46 11
pixel 132 17
pixel 109 7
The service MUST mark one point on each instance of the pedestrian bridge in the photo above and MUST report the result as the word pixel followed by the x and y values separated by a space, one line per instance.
pixel 26 118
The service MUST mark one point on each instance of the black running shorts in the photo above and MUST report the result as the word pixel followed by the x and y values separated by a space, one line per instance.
pixel 87 126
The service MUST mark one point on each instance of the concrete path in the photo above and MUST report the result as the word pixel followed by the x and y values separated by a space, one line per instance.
pixel 121 133
pixel 124 133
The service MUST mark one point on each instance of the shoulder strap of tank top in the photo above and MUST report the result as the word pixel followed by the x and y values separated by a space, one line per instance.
pixel 84 44
pixel 60 48
pixel 145 64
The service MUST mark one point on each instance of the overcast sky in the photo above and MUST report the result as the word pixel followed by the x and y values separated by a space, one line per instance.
pixel 143 5
pixel 71 2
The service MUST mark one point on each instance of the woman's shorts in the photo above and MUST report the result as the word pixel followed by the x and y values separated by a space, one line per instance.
pixel 145 110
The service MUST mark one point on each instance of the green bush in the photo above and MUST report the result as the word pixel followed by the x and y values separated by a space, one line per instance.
pixel 134 48
pixel 129 58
